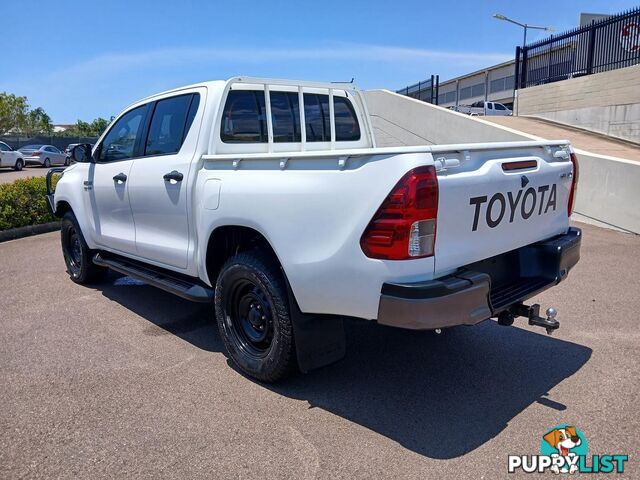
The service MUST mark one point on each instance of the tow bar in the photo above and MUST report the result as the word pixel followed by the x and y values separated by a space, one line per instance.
pixel 533 314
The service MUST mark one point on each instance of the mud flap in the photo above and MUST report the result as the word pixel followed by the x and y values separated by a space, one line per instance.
pixel 319 339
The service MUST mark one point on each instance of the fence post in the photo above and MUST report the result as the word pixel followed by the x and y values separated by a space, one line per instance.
pixel 592 47
pixel 525 52
pixel 437 89
pixel 549 62
pixel 516 74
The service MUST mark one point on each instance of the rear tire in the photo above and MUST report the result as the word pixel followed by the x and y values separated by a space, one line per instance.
pixel 19 165
pixel 47 163
pixel 252 312
pixel 77 255
pixel 67 161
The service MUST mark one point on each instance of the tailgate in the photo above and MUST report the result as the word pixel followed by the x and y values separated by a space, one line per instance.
pixel 497 200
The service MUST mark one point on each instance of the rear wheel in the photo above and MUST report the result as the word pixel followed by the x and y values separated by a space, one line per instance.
pixel 67 161
pixel 47 163
pixel 77 255
pixel 253 316
pixel 19 165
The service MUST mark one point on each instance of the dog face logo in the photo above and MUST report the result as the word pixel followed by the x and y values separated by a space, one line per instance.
pixel 564 443
pixel 563 439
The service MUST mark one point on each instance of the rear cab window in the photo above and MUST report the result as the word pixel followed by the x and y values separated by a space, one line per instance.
pixel 244 118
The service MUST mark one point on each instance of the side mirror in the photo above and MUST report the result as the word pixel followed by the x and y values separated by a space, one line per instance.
pixel 82 153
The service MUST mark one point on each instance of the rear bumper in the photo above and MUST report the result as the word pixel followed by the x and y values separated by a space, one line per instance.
pixel 33 161
pixel 481 290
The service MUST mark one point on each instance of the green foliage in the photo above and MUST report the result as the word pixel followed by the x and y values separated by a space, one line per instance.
pixel 37 122
pixel 16 116
pixel 13 111
pixel 87 129
pixel 23 202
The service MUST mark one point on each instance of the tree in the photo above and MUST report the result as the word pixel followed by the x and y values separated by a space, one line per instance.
pixel 86 129
pixel 37 122
pixel 13 112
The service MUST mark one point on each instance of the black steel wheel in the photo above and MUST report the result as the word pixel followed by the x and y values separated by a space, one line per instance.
pixel 77 255
pixel 253 317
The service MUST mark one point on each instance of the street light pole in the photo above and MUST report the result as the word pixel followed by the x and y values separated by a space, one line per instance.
pixel 524 26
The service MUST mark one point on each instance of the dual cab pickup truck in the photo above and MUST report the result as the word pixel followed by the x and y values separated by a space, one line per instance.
pixel 269 199
pixel 490 109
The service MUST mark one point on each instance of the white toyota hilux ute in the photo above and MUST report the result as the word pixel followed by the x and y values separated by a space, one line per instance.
pixel 269 199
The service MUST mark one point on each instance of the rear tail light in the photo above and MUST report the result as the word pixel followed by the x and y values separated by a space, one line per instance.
pixel 404 227
pixel 574 184
pixel 36 153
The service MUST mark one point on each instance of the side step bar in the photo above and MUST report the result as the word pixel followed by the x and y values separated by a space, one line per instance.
pixel 181 287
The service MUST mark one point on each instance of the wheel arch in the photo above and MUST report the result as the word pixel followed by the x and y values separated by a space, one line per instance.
pixel 62 207
pixel 228 240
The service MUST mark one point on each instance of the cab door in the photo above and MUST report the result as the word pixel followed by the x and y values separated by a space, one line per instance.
pixel 159 185
pixel 106 187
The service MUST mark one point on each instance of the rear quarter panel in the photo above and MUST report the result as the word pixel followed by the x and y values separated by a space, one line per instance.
pixel 313 215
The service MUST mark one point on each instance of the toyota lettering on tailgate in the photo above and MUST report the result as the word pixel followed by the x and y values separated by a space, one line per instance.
pixel 523 203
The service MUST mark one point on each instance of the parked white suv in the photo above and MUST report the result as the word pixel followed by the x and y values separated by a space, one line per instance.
pixel 270 199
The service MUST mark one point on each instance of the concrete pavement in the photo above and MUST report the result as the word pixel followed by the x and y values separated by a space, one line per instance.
pixel 581 139
pixel 123 380
pixel 9 175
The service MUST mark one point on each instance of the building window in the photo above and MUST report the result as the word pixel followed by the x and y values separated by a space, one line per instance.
pixel 477 90
pixel 465 93
pixel 496 85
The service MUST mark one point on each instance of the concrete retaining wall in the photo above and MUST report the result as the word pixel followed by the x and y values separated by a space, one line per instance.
pixel 607 102
pixel 425 124
pixel 608 189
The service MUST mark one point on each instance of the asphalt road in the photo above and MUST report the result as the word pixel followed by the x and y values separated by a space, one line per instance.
pixel 8 175
pixel 120 379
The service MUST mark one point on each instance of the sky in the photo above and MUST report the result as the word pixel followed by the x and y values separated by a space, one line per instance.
pixel 81 60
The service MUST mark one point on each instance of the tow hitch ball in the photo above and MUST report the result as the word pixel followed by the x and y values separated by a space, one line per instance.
pixel 533 314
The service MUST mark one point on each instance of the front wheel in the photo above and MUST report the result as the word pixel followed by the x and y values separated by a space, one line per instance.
pixel 252 312
pixel 67 161
pixel 19 165
pixel 77 255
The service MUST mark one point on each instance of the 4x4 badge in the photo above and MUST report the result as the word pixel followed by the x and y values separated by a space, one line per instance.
pixel 524 181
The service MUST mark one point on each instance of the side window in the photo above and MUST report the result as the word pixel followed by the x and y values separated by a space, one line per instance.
pixel 285 116
pixel 489 106
pixel 168 125
pixel 499 106
pixel 347 128
pixel 243 118
pixel 119 143
pixel 4 147
pixel 193 109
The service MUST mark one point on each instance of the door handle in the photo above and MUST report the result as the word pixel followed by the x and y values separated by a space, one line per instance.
pixel 120 178
pixel 174 175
